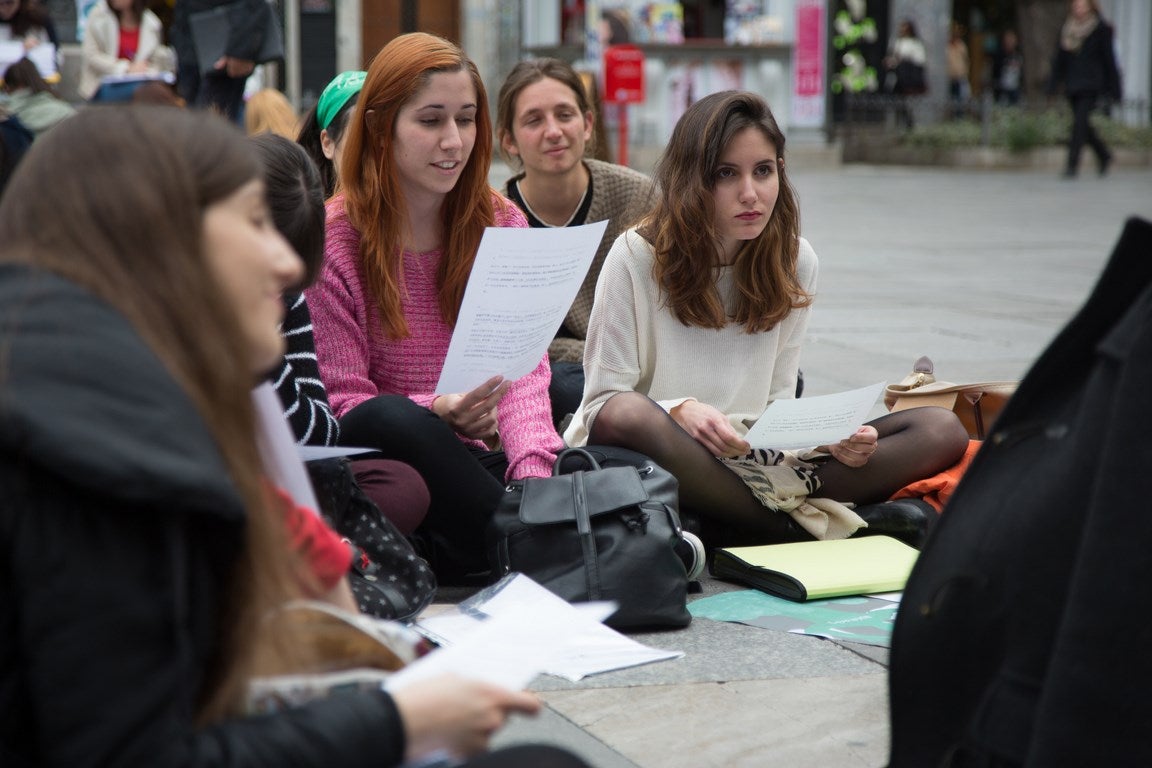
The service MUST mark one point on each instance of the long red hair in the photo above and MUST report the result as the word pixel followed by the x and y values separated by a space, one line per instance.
pixel 373 200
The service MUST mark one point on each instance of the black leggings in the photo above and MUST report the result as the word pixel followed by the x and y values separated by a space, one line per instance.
pixel 913 444
pixel 464 483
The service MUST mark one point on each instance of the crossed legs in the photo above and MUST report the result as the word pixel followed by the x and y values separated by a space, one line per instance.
pixel 913 444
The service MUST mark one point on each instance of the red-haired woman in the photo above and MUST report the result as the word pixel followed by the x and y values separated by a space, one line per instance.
pixel 401 238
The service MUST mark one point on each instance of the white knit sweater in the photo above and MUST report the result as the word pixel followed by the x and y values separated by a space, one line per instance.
pixel 635 343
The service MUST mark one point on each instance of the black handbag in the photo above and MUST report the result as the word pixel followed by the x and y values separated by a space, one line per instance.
pixel 388 578
pixel 603 527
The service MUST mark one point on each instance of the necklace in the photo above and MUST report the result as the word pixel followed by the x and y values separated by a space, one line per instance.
pixel 533 214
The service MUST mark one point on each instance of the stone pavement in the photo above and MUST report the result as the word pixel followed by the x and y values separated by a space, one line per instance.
pixel 976 270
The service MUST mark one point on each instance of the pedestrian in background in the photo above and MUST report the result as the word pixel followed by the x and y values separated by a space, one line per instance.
pixel 906 66
pixel 1085 67
pixel 222 88
pixel 959 69
pixel 1008 70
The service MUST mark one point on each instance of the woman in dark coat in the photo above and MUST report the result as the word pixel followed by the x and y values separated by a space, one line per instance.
pixel 1023 636
pixel 1085 65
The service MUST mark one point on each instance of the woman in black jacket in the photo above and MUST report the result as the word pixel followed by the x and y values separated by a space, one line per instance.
pixel 139 545
pixel 1085 65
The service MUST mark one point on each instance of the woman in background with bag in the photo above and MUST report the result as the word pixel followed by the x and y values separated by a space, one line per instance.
pixel 139 536
pixel 906 63
pixel 697 326
pixel 401 238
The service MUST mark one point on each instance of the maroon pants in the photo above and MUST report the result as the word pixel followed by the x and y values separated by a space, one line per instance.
pixel 396 488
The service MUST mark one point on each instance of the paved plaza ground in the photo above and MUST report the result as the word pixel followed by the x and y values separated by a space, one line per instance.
pixel 977 270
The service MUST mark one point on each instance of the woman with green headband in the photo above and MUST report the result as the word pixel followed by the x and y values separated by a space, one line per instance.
pixel 323 131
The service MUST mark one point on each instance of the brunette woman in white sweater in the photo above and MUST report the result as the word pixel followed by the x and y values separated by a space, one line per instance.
pixel 697 326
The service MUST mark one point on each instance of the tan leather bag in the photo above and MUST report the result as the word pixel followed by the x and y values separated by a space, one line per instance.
pixel 977 405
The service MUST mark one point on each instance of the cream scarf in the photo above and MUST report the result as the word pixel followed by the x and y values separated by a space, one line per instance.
pixel 1074 32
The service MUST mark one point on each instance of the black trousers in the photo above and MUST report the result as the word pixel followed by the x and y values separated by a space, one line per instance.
pixel 213 91
pixel 1083 132
pixel 464 484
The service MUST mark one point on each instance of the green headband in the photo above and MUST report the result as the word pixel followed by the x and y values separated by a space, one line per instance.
pixel 336 94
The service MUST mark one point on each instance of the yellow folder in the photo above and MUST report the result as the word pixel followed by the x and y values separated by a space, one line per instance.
pixel 809 570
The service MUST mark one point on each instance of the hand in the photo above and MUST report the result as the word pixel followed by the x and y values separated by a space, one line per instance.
pixel 473 414
pixel 235 67
pixel 710 428
pixel 855 450
pixel 139 68
pixel 456 714
pixel 30 42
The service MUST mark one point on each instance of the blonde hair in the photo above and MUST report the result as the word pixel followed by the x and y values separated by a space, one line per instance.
pixel 269 111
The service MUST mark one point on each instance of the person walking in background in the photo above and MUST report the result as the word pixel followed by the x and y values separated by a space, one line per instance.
pixel 544 124
pixel 222 88
pixel 323 128
pixel 698 322
pixel 121 37
pixel 958 67
pixel 1085 67
pixel 906 63
pixel 402 234
pixel 1008 70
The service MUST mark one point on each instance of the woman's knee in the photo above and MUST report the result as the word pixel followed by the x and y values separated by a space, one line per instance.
pixel 386 420
pixel 940 433
pixel 623 415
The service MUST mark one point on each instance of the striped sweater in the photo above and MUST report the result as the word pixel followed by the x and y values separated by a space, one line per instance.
pixel 357 362
pixel 298 383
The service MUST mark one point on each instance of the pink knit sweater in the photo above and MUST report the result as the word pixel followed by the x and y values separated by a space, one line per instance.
pixel 358 362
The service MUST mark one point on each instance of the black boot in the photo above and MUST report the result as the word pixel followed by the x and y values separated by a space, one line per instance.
pixel 908 520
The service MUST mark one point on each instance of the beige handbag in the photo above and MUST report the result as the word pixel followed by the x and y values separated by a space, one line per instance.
pixel 977 405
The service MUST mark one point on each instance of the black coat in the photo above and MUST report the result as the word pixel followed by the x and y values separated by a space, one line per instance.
pixel 1023 637
pixel 118 531
pixel 1091 69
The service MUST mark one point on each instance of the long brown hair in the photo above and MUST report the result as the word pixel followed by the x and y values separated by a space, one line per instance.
pixel 129 229
pixel 682 229
pixel 373 200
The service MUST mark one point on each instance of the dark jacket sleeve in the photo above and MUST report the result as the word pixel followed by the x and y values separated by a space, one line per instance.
pixel 101 665
pixel 298 382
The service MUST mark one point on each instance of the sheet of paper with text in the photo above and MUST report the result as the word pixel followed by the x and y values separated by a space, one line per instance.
pixel 807 422
pixel 523 282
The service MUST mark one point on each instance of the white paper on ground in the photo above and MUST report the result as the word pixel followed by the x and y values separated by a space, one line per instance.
pixel 807 422
pixel 572 641
pixel 523 281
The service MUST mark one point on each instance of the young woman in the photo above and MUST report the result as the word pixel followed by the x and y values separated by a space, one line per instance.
pixel 1084 66
pixel 697 325
pixel 297 206
pixel 544 123
pixel 322 131
pixel 401 238
pixel 121 37
pixel 138 536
